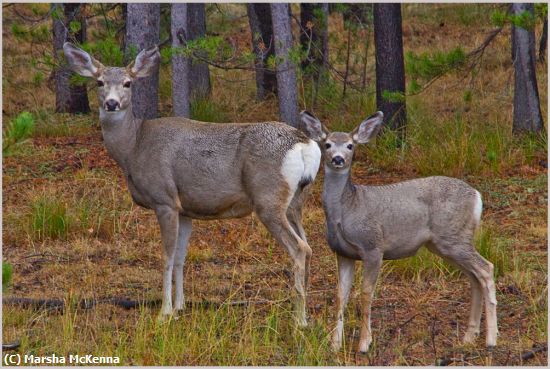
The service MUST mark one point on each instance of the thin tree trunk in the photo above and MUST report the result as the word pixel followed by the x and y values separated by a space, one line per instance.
pixel 346 73
pixel 390 69
pixel 286 73
pixel 356 14
pixel 199 76
pixel 324 34
pixel 261 27
pixel 543 41
pixel 69 97
pixel 142 32
pixel 365 62
pixel 527 114
pixel 314 35
pixel 180 64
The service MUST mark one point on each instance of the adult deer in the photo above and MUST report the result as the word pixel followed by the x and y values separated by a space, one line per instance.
pixel 184 169
pixel 372 223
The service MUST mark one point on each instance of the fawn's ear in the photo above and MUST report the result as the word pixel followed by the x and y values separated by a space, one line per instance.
pixel 313 127
pixel 364 131
pixel 80 61
pixel 145 63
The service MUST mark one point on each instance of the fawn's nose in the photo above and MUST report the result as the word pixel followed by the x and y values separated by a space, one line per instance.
pixel 338 161
pixel 112 105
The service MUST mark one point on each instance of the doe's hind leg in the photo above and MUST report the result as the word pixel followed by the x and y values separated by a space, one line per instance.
pixel 278 225
pixel 469 260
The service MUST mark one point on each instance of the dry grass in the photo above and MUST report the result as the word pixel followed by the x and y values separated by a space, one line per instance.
pixel 110 247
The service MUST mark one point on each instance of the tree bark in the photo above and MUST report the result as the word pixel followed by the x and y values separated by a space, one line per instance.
pixel 286 73
pixel 199 76
pixel 180 64
pixel 527 114
pixel 314 30
pixel 142 32
pixel 543 41
pixel 261 27
pixel 69 97
pixel 390 69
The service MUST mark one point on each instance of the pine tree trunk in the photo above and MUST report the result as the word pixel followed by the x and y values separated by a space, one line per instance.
pixel 314 30
pixel 286 73
pixel 390 70
pixel 543 41
pixel 180 64
pixel 527 114
pixel 261 27
pixel 69 97
pixel 199 76
pixel 142 32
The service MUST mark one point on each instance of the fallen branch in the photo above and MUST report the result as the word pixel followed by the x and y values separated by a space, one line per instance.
pixel 11 346
pixel 527 355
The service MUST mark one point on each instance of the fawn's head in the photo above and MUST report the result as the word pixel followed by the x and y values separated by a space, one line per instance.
pixel 338 147
pixel 113 83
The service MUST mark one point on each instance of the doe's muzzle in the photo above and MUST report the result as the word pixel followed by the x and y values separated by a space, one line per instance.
pixel 338 161
pixel 112 105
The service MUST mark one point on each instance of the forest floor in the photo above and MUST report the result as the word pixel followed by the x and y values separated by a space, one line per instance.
pixel 71 231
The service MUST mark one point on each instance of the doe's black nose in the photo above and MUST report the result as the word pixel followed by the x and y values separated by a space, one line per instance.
pixel 338 160
pixel 111 104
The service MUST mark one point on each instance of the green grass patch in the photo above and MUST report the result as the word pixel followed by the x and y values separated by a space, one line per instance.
pixel 49 218
pixel 7 274
pixel 424 264
pixel 223 335
pixel 63 125
pixel 205 110
pixel 497 250
pixel 17 132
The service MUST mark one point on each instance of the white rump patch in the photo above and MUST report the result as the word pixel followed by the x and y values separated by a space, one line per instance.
pixel 478 207
pixel 301 162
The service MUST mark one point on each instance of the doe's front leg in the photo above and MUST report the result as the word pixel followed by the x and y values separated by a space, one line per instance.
pixel 371 268
pixel 169 223
pixel 346 269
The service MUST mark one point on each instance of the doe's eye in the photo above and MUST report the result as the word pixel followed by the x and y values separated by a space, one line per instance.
pixel 100 83
pixel 327 146
pixel 350 146
pixel 127 84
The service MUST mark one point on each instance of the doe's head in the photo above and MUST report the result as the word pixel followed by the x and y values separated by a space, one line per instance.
pixel 113 83
pixel 338 147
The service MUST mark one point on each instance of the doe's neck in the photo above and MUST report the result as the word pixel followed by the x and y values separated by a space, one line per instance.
pixel 337 183
pixel 120 130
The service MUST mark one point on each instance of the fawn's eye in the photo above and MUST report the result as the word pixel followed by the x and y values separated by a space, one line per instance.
pixel 100 83
pixel 327 146
pixel 127 84
pixel 350 146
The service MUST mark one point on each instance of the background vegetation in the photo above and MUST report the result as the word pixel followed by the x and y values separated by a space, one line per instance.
pixel 71 231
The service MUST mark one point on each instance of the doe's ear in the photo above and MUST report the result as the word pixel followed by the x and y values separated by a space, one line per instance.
pixel 313 127
pixel 80 61
pixel 364 131
pixel 145 63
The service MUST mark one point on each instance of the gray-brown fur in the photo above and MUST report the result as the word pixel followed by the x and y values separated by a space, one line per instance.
pixel 184 170
pixel 372 223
